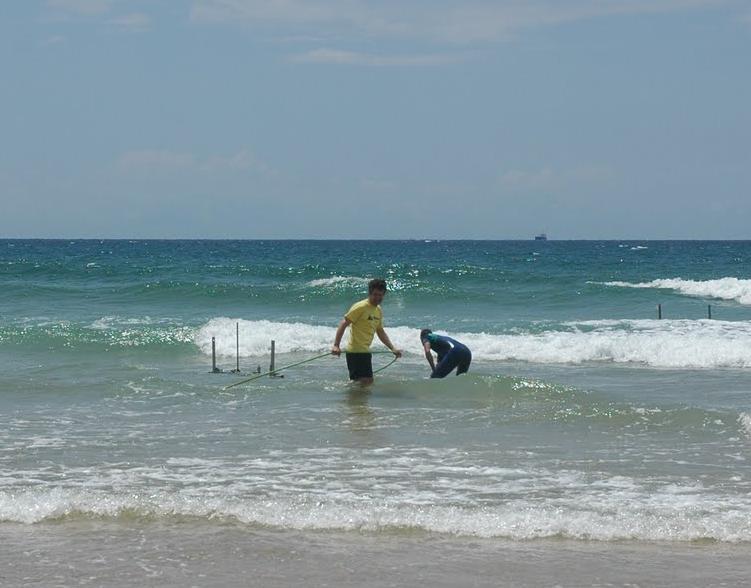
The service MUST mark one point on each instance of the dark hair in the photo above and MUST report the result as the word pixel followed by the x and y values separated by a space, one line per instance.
pixel 376 284
pixel 424 334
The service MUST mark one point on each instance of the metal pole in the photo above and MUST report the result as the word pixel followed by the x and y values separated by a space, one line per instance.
pixel 214 369
pixel 709 311
pixel 237 346
pixel 659 311
pixel 273 351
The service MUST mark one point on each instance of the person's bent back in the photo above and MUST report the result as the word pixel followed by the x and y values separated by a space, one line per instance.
pixel 451 354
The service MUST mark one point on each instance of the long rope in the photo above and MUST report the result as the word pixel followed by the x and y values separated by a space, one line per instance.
pixel 284 367
pixel 275 370
pixel 387 365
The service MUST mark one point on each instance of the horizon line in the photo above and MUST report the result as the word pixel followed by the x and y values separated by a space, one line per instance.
pixel 390 239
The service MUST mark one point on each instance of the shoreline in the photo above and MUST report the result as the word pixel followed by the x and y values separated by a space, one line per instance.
pixel 115 554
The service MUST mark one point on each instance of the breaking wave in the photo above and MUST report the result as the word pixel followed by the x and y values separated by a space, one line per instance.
pixel 722 289
pixel 608 509
pixel 663 343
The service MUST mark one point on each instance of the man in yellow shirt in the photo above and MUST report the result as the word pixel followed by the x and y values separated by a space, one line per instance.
pixel 366 319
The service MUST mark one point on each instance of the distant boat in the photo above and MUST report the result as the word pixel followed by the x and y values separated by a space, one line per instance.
pixel 541 237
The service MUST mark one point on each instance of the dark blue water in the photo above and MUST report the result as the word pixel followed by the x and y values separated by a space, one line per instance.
pixel 487 283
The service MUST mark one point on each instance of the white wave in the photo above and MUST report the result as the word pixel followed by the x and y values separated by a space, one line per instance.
pixel 723 288
pixel 256 336
pixel 112 322
pixel 657 343
pixel 665 343
pixel 383 489
pixel 604 513
pixel 337 280
pixel 745 421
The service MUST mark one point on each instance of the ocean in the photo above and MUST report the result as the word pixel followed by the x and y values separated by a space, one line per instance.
pixel 592 443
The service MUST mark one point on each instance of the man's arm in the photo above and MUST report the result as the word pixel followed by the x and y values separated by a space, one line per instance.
pixel 335 350
pixel 387 342
pixel 429 355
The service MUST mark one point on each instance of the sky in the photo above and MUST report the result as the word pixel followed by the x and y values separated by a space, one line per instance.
pixel 392 119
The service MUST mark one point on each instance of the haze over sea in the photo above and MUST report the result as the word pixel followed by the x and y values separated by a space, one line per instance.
pixel 586 426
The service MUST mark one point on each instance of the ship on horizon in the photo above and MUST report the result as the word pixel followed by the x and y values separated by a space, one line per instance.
pixel 541 237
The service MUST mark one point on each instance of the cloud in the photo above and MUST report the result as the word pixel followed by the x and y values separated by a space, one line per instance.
pixel 99 12
pixel 166 161
pixel 81 7
pixel 454 21
pixel 380 185
pixel 54 40
pixel 337 57
pixel 547 179
pixel 243 160
pixel 155 160
pixel 136 22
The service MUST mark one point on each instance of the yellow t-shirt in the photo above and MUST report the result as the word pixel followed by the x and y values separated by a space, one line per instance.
pixel 365 319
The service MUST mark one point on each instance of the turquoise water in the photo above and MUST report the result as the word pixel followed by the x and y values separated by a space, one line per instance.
pixel 583 417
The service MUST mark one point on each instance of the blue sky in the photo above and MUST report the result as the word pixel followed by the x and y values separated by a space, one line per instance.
pixel 375 119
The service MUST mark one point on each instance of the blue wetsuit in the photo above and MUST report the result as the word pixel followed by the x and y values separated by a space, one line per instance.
pixel 451 354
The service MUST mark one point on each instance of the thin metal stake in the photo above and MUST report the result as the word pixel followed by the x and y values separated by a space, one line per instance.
pixel 659 311
pixel 214 369
pixel 237 346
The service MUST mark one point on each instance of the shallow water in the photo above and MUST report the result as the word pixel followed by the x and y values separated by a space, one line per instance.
pixel 190 554
pixel 587 430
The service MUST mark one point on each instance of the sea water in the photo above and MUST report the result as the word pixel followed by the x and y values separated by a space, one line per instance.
pixel 586 428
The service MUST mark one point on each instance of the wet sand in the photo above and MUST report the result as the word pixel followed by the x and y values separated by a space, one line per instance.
pixel 92 553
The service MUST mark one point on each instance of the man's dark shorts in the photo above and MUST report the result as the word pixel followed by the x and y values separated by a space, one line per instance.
pixel 360 365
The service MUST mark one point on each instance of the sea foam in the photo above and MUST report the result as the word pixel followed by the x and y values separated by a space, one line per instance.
pixel 664 343
pixel 672 515
pixel 723 288
pixel 334 281
pixel 745 422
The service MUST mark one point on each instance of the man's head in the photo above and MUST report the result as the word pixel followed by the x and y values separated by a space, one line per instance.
pixel 424 334
pixel 376 291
